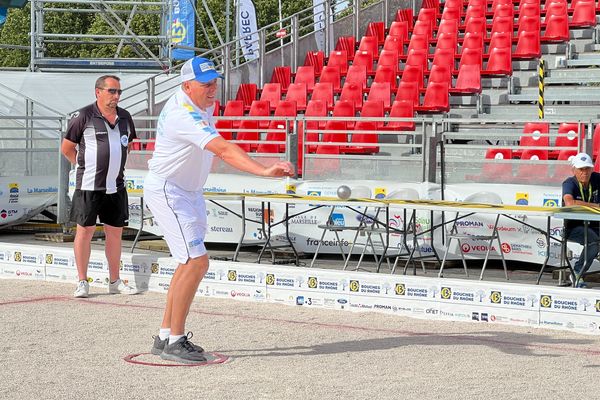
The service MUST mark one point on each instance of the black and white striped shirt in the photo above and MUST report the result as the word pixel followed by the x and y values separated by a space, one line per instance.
pixel 102 148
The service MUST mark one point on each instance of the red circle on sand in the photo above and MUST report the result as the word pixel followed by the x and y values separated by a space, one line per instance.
pixel 218 359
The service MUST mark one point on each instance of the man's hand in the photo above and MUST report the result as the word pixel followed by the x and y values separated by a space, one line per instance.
pixel 280 168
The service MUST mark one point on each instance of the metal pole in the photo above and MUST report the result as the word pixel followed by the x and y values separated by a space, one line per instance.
pixel 227 21
pixel 295 50
pixel 541 89
pixel 64 166
pixel 28 136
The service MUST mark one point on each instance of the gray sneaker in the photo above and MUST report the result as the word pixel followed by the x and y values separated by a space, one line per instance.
pixel 159 345
pixel 182 351
pixel 83 289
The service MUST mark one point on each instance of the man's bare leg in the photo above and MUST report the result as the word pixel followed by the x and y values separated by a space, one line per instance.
pixel 83 248
pixel 112 249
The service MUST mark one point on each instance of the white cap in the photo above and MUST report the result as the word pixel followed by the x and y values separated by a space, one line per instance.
pixel 582 160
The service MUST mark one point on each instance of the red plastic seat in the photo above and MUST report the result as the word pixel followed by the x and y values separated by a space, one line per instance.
pixel 364 130
pixel 568 136
pixel 503 25
pixel 448 27
pixel 353 93
pixel 323 91
pixel 436 98
pixel 271 92
pixel 534 134
pixel 528 46
pixel 440 73
pixel 412 73
pixel 398 28
pixel 297 92
pixel 474 11
pixel 499 62
pixel 394 43
pixel 278 129
pixel 476 25
pixel 247 93
pixel 338 58
pixel 468 80
pixel 364 58
pixel 369 44
pixel 259 108
pixel 451 13
pixel 557 29
pixel 500 40
pixel 418 58
pixel 336 131
pixel 405 14
pixel 418 42
pixel 150 144
pixel 381 91
pixel 306 75
pixel 401 109
pixel 444 57
pixel 233 108
pixel 596 142
pixel 584 14
pixel 563 170
pixel 331 74
pixel 316 59
pixel 283 76
pixel 503 10
pixel 376 29
pixel 472 40
pixel 314 108
pixel 494 171
pixel 423 28
pixel 357 74
pixel 408 91
pixel 471 57
pixel 389 58
pixel 447 41
pixel 386 73
pixel 347 44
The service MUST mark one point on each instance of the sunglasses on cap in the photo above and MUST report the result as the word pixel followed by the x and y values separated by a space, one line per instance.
pixel 111 90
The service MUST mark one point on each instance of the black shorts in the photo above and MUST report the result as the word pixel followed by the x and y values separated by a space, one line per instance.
pixel 87 205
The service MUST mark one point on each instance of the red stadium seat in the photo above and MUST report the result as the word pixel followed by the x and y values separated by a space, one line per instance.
pixel 376 29
pixel 569 135
pixel 499 62
pixel 282 75
pixel 357 74
pixel 381 91
pixel 563 170
pixel 369 44
pixel 408 91
pixel 386 73
pixel 233 108
pixel 412 73
pixel 557 29
pixel 259 108
pixel 398 28
pixel 347 44
pixel 338 58
pixel 323 91
pixel 306 75
pixel 284 109
pixel 584 14
pixel 353 93
pixel 528 172
pixel 401 109
pixel 468 80
pixel 373 109
pixel 418 58
pixel 394 43
pixel 364 58
pixel 316 59
pixel 315 108
pixel 297 92
pixel 338 126
pixel 405 14
pixel 271 92
pixel 247 93
pixel 389 58
pixel 331 74
pixel 436 98
pixel 494 171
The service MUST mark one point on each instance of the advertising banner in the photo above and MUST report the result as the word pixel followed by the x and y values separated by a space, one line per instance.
pixel 182 29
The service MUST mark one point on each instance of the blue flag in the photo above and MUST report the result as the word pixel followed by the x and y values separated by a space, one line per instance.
pixel 3 12
pixel 183 29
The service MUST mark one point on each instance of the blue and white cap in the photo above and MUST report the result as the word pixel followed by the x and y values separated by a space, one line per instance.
pixel 200 69
pixel 582 160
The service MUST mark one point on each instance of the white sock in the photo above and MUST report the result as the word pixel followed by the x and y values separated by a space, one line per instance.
pixel 164 333
pixel 174 338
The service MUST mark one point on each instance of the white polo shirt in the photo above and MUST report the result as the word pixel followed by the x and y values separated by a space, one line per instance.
pixel 182 133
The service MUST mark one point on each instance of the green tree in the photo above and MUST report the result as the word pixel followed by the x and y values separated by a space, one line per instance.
pixel 15 31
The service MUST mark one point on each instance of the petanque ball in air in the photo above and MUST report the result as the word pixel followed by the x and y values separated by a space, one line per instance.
pixel 344 192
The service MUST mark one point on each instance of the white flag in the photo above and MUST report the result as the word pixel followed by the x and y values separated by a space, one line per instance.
pixel 319 18
pixel 247 30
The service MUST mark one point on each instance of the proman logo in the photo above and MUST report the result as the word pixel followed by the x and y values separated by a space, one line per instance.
pixel 446 293
pixel 400 289
pixel 354 286
pixel 496 297
pixel 546 301
pixel 232 275
pixel 312 282
pixel 270 279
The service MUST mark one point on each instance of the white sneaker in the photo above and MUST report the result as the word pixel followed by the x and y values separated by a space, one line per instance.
pixel 121 287
pixel 83 289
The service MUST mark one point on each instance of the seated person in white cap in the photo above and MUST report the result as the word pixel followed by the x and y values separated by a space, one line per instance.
pixel 581 189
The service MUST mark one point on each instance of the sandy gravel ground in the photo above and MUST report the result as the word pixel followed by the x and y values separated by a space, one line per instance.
pixel 57 347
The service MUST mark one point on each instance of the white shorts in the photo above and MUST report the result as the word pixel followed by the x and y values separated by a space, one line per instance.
pixel 180 215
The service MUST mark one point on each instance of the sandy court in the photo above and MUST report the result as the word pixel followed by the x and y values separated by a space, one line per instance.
pixel 57 347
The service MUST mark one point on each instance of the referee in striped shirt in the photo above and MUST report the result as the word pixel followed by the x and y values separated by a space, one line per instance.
pixel 97 142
